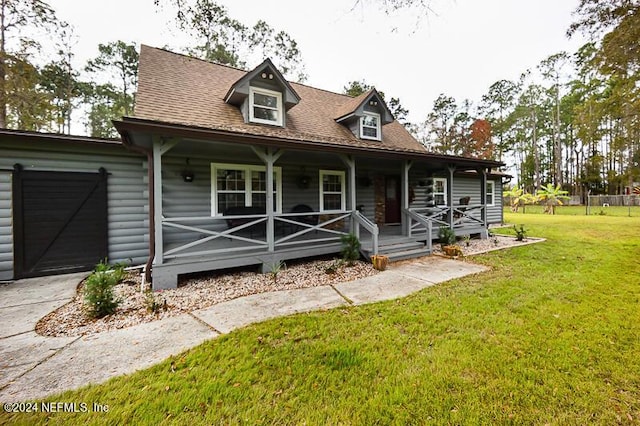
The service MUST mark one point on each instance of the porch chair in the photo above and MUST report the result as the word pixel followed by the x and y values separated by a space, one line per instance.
pixel 464 201
pixel 309 219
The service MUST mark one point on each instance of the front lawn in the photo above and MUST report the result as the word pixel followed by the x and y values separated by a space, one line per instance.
pixel 550 336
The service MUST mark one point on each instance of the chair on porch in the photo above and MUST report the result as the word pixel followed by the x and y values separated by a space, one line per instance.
pixel 464 201
pixel 258 229
pixel 308 219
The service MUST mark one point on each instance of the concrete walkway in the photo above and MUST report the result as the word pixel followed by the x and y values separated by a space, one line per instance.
pixel 33 366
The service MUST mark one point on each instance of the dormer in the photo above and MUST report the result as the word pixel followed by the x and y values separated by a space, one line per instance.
pixel 365 115
pixel 263 95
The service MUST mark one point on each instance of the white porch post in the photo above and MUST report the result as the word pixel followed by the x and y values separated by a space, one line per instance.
pixel 350 162
pixel 483 198
pixel 160 147
pixel 450 195
pixel 269 157
pixel 406 222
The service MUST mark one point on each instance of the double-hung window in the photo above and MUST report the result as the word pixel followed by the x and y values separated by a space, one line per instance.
pixel 490 196
pixel 332 191
pixel 440 191
pixel 237 185
pixel 265 106
pixel 370 126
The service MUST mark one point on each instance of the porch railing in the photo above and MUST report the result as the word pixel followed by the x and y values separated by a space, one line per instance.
pixel 235 233
pixel 359 220
pixel 249 222
pixel 302 227
pixel 467 215
pixel 417 220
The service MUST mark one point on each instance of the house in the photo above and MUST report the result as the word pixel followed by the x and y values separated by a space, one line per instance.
pixel 249 168
pixel 67 202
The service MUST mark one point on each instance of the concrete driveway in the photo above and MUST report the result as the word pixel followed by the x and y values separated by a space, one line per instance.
pixel 34 366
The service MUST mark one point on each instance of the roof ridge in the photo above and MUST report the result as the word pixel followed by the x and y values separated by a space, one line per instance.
pixel 242 70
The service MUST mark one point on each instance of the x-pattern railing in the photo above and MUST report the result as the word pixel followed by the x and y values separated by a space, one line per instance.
pixel 304 228
pixel 252 220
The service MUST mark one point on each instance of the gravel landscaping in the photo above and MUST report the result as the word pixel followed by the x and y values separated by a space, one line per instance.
pixel 204 290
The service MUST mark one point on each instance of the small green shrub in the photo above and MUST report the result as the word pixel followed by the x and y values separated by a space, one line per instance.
pixel 274 269
pixel 152 304
pixel 98 289
pixel 350 249
pixel 521 232
pixel 447 236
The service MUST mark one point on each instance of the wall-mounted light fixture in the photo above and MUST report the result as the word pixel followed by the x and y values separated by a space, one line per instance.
pixel 187 174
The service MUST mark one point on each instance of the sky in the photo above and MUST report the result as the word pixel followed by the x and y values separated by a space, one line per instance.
pixel 460 48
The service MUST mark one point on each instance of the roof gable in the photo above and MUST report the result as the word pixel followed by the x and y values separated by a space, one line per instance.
pixel 370 101
pixel 266 76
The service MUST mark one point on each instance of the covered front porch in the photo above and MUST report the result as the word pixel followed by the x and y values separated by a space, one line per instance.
pixel 210 199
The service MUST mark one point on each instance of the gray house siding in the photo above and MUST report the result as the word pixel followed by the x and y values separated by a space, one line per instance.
pixel 6 230
pixel 126 189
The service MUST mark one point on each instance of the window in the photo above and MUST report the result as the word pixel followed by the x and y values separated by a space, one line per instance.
pixel 370 126
pixel 234 185
pixel 440 191
pixel 265 106
pixel 490 196
pixel 332 190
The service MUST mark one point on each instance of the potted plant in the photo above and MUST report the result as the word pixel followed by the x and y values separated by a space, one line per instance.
pixel 380 262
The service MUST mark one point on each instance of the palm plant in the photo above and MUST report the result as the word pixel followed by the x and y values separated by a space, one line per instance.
pixel 552 196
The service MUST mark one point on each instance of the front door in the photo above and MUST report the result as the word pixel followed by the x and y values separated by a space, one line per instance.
pixel 392 200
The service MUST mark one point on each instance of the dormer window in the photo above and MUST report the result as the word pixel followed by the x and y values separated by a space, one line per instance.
pixel 265 106
pixel 370 126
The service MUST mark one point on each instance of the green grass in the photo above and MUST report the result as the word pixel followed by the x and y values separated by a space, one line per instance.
pixel 551 335
pixel 581 210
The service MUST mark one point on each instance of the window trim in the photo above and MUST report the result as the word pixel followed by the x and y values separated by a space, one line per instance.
pixel 247 168
pixel 378 127
pixel 343 192
pixel 252 118
pixel 491 184
pixel 444 180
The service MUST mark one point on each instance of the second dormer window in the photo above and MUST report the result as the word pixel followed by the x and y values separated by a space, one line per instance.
pixel 370 126
pixel 265 106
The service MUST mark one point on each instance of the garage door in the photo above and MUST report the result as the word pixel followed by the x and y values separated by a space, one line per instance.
pixel 60 221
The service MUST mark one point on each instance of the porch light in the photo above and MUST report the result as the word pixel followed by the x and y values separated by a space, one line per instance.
pixel 187 174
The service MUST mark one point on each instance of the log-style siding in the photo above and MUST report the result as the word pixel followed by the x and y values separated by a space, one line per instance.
pixel 126 191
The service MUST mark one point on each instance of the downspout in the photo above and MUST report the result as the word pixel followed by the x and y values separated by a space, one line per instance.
pixel 126 141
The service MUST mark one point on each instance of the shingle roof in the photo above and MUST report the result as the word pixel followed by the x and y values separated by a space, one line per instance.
pixel 178 89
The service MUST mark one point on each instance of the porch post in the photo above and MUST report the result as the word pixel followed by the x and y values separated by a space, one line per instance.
pixel 269 200
pixel 160 147
pixel 406 166
pixel 451 169
pixel 157 201
pixel 350 162
pixel 269 157
pixel 483 198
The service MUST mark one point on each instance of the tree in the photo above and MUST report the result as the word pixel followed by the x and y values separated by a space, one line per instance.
pixel 222 39
pixel 480 145
pixel 552 196
pixel 440 122
pixel 496 106
pixel 115 71
pixel 358 87
pixel 15 17
pixel 60 81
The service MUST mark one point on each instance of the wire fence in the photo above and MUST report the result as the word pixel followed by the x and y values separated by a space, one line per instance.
pixel 603 205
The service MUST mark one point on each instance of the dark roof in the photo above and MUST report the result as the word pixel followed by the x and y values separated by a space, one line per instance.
pixel 178 89
pixel 357 104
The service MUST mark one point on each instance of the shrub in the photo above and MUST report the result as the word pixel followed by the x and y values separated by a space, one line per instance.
pixel 521 233
pixel 98 289
pixel 350 249
pixel 447 236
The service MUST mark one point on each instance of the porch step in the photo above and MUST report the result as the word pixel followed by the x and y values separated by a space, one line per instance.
pixel 401 250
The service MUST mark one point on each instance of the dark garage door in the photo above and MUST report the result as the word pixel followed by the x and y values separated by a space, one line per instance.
pixel 60 221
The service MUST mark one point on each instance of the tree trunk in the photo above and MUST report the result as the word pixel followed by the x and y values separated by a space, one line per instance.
pixel 3 71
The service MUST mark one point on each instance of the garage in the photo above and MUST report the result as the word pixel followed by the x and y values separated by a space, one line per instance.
pixel 60 221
